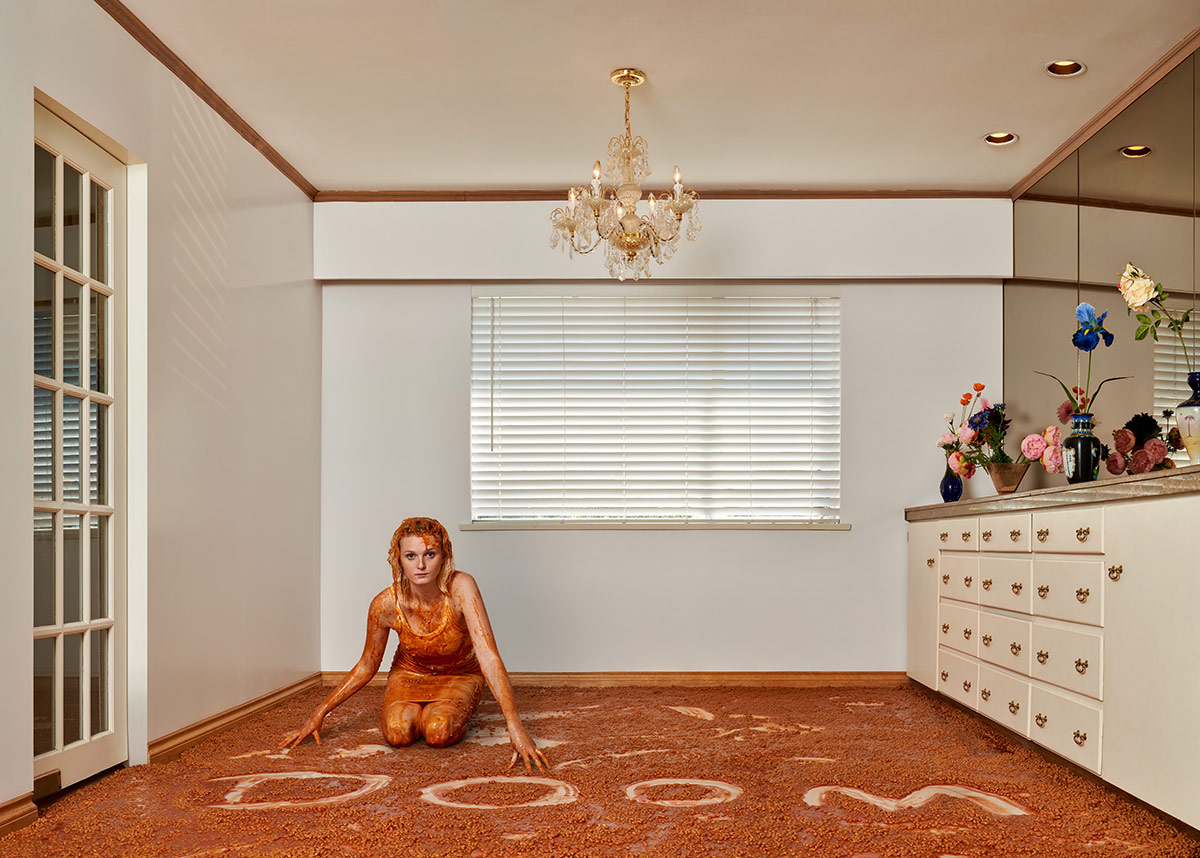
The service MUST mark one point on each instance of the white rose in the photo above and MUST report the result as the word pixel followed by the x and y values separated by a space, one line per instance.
pixel 1137 290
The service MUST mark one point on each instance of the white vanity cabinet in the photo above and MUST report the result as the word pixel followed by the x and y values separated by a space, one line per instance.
pixel 1071 616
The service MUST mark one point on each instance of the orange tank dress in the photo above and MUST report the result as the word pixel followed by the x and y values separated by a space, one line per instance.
pixel 437 666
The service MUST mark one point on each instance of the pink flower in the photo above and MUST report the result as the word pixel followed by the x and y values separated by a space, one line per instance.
pixel 966 434
pixel 984 405
pixel 1052 460
pixel 1033 446
pixel 1140 462
pixel 1157 448
pixel 1123 440
pixel 960 464
pixel 948 440
pixel 1052 436
pixel 1065 411
pixel 1115 463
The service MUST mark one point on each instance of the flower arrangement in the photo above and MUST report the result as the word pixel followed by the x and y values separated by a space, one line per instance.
pixel 954 443
pixel 1139 447
pixel 1089 333
pixel 1045 448
pixel 1142 294
pixel 976 438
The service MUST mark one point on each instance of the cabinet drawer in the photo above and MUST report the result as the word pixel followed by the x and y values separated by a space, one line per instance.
pixel 958 628
pixel 1005 532
pixel 959 534
pixel 959 577
pixel 1067 727
pixel 1004 699
pixel 1071 590
pixel 1068 659
pixel 1069 531
pixel 1004 582
pixel 958 678
pixel 1005 641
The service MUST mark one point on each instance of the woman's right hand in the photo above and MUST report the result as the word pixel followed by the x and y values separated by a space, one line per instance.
pixel 311 727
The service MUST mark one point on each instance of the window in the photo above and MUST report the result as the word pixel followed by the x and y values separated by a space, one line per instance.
pixel 659 407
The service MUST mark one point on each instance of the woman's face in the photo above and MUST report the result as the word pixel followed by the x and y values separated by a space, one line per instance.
pixel 421 561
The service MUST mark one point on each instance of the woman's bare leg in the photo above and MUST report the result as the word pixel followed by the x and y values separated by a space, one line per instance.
pixel 401 722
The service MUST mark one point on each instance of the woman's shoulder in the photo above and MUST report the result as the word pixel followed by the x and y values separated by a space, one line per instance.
pixel 462 582
pixel 385 600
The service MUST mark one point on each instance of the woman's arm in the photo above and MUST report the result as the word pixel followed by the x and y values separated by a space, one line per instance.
pixel 359 675
pixel 469 600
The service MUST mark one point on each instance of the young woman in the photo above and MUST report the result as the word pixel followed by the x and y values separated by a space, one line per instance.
pixel 446 651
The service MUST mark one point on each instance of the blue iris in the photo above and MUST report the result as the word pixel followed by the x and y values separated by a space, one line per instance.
pixel 1091 328
pixel 978 420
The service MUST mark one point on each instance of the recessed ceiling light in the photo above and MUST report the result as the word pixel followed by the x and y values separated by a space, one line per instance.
pixel 1065 68
pixel 1000 138
pixel 1135 151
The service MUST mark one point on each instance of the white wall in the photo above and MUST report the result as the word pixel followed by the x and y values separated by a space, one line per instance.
pixel 233 333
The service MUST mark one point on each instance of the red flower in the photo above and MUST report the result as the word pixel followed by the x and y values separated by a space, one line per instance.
pixel 1115 463
pixel 978 387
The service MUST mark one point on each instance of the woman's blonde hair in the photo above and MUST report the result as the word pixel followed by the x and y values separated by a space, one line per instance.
pixel 430 530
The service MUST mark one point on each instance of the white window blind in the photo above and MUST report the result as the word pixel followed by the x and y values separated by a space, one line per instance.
pixel 682 408
pixel 1170 368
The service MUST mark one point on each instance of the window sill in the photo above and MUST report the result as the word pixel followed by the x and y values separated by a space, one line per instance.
pixel 650 524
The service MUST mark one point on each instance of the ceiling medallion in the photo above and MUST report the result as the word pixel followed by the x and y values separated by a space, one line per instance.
pixel 606 211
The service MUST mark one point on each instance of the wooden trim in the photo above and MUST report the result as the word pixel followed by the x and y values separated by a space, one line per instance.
pixel 1151 76
pixel 170 746
pixel 688 679
pixel 1098 203
pixel 558 194
pixel 17 813
pixel 152 43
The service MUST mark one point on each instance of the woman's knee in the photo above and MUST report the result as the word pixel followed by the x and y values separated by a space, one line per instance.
pixel 400 725
pixel 442 726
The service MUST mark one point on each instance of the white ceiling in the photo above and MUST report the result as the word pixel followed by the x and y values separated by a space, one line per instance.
pixel 772 94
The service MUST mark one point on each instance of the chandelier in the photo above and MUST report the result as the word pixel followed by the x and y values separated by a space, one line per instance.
pixel 606 210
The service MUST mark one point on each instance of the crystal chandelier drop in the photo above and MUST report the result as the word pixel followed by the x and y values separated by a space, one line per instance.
pixel 606 210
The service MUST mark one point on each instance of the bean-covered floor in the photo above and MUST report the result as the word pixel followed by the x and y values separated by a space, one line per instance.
pixel 634 771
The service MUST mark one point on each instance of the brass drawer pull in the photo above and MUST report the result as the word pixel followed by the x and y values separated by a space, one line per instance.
pixel 1014 648
pixel 1014 535
pixel 943 536
pixel 1041 719
pixel 1080 738
pixel 987 583
pixel 967 634
pixel 1083 533
pixel 945 577
pixel 987 535
pixel 945 628
pixel 929 562
pixel 1114 572
pixel 1043 656
pixel 966 535
pixel 945 675
pixel 967 580
pixel 985 694
pixel 1044 590
pixel 1016 588
pixel 1082 593
pixel 1081 665
pixel 1014 707
pixel 966 685
pixel 987 640
pixel 1043 533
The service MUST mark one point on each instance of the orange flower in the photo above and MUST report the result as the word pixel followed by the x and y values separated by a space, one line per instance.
pixel 978 387
pixel 966 399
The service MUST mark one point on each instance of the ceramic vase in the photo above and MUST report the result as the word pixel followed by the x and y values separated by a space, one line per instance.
pixel 951 486
pixel 1187 418
pixel 1081 451
pixel 1006 476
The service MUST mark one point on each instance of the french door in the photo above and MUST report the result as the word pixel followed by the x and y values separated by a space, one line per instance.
pixel 79 674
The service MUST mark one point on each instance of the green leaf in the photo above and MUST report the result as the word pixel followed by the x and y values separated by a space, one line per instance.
pixel 1157 314
pixel 1154 333
pixel 1142 332
pixel 1070 396
pixel 1144 319
pixel 1187 314
pixel 1096 392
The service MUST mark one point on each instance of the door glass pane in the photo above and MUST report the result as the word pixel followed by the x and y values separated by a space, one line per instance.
pixel 43 695
pixel 43 201
pixel 98 343
pixel 44 481
pixel 72 295
pixel 72 201
pixel 72 580
pixel 98 233
pixel 98 536
pixel 70 442
pixel 98 681
pixel 43 321
pixel 98 463
pixel 72 688
pixel 43 568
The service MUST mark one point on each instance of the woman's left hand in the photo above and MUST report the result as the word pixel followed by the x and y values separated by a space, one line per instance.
pixel 525 749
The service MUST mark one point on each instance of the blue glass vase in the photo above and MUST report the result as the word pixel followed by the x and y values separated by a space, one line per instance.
pixel 1081 451
pixel 951 485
